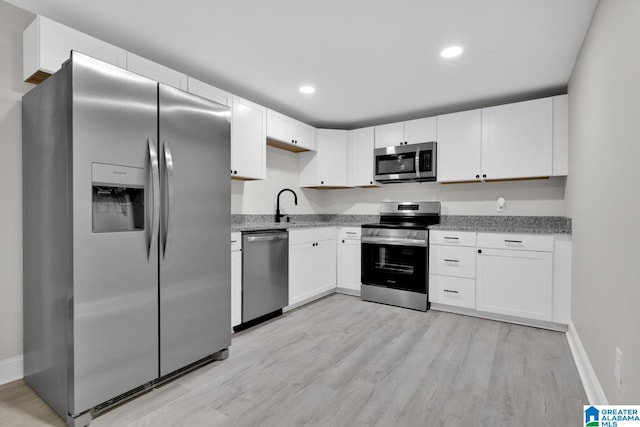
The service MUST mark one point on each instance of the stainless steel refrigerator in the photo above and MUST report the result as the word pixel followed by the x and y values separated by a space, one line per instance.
pixel 126 235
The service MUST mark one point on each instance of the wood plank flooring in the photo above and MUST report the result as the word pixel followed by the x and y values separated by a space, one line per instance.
pixel 344 362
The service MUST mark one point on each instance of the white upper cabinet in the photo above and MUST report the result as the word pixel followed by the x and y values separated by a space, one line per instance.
pixel 420 130
pixel 389 135
pixel 46 45
pixel 327 167
pixel 289 134
pixel 517 140
pixel 409 132
pixel 155 71
pixel 248 132
pixel 209 92
pixel 561 135
pixel 459 146
pixel 360 156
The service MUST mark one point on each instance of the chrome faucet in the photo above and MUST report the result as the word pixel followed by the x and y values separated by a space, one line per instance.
pixel 295 201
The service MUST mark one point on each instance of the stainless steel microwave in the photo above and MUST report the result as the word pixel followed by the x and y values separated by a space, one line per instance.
pixel 405 163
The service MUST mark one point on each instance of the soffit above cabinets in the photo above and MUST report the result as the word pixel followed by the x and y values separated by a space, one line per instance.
pixel 371 62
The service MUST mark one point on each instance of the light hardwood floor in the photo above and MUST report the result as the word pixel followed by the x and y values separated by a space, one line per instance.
pixel 344 362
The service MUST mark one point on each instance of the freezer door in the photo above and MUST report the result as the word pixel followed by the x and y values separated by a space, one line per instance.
pixel 195 260
pixel 114 300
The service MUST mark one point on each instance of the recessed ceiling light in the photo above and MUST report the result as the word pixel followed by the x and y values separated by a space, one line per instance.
pixel 307 89
pixel 451 52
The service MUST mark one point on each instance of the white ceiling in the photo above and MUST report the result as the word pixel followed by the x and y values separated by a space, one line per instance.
pixel 372 61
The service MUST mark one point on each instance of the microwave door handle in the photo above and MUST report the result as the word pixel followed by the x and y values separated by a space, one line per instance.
pixel 417 162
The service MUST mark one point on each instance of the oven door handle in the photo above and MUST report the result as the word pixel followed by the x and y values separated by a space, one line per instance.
pixel 394 242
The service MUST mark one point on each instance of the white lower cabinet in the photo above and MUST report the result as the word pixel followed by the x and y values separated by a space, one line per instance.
pixel 452 268
pixel 508 276
pixel 236 278
pixel 515 283
pixel 312 263
pixel 456 291
pixel 349 260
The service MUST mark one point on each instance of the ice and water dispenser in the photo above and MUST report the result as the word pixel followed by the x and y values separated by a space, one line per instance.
pixel 118 198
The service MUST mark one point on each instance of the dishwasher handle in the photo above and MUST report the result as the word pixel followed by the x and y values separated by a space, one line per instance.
pixel 266 238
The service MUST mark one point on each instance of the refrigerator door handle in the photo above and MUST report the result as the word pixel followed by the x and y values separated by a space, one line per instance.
pixel 155 202
pixel 168 214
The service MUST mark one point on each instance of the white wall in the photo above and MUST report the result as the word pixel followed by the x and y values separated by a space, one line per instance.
pixel 603 196
pixel 535 197
pixel 12 22
pixel 259 197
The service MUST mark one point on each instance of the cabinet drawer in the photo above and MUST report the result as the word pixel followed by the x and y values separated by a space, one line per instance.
pixel 452 261
pixel 456 291
pixel 311 235
pixel 236 241
pixel 350 233
pixel 524 242
pixel 454 238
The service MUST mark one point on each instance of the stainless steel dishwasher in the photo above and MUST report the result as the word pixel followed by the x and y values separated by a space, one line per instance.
pixel 265 273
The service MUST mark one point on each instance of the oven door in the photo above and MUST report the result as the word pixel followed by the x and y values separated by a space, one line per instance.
pixel 395 266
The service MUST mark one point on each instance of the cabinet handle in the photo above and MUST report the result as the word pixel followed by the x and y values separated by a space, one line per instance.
pixel 351 232
pixel 451 260
pixel 450 291
pixel 513 241
pixel 477 176
pixel 235 172
pixel 233 241
pixel 451 238
pixel 370 182
pixel 484 175
pixel 479 251
pixel 321 182
pixel 343 241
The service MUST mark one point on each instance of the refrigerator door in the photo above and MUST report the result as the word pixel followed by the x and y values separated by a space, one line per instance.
pixel 114 300
pixel 195 260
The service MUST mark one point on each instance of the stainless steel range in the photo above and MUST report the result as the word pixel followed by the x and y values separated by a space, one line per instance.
pixel 395 254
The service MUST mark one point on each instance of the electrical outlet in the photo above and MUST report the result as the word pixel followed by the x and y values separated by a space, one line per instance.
pixel 501 205
pixel 617 369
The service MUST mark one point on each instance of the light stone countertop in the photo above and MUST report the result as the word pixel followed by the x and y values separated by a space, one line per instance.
pixel 478 223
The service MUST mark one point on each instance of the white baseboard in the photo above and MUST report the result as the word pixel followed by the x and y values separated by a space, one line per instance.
pixel 11 369
pixel 590 382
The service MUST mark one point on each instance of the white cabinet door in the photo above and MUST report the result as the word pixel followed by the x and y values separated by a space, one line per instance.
pixel 301 269
pixel 561 135
pixel 278 127
pixel 420 130
pixel 303 134
pixel 459 146
pixel 349 264
pixel 332 150
pixel 209 92
pixel 517 140
pixel 248 133
pixel 327 167
pixel 156 72
pixel 236 288
pixel 515 283
pixel 324 268
pixel 289 134
pixel 46 45
pixel 236 278
pixel 360 144
pixel 388 135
